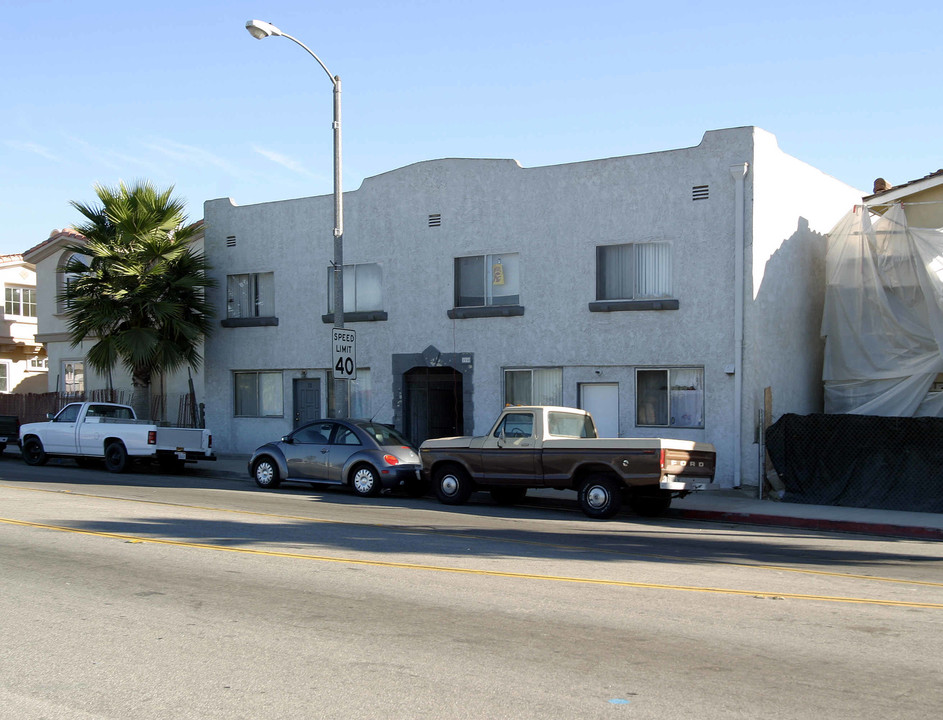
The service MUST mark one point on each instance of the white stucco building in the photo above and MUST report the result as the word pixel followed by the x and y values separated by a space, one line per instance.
pixel 22 361
pixel 665 292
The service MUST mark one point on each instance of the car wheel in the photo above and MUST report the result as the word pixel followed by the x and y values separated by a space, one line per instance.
pixel 364 481
pixel 651 505
pixel 600 497
pixel 116 457
pixel 265 473
pixel 508 495
pixel 33 452
pixel 452 485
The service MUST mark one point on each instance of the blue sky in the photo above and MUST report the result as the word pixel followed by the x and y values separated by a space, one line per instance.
pixel 180 94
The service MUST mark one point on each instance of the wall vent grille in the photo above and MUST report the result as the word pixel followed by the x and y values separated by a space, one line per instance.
pixel 700 192
pixel 435 220
pixel 230 241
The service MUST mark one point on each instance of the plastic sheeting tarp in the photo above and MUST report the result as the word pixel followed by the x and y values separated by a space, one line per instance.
pixel 883 318
pixel 859 461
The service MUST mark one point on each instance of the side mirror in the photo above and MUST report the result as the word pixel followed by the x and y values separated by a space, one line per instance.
pixel 288 440
pixel 50 416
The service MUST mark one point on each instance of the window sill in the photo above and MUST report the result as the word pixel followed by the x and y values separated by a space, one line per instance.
pixel 248 322
pixel 368 316
pixel 461 313
pixel 633 305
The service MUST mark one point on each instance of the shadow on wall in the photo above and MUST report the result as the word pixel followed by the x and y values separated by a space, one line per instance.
pixel 785 350
pixel 31 384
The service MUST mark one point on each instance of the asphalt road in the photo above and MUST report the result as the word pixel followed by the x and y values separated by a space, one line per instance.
pixel 143 596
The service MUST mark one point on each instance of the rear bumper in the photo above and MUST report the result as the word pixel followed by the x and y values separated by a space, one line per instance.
pixel 398 475
pixel 686 484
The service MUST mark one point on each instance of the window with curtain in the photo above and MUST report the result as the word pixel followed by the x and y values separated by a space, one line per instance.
pixel 633 271
pixel 483 280
pixel 73 376
pixel 250 295
pixel 363 289
pixel 534 386
pixel 670 397
pixel 258 394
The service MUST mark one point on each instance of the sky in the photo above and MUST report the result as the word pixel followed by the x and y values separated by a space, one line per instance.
pixel 178 93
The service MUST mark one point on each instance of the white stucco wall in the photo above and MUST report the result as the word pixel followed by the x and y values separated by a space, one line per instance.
pixel 554 217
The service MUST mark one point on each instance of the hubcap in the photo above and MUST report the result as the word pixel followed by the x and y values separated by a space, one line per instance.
pixel 449 485
pixel 597 497
pixel 363 481
pixel 263 473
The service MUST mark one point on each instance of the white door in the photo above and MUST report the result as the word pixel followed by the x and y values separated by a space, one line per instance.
pixel 602 402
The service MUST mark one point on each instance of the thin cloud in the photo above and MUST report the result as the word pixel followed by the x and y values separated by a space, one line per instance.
pixel 193 155
pixel 34 148
pixel 284 161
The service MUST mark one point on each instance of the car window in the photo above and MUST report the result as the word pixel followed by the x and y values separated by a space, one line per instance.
pixel 69 413
pixel 570 425
pixel 516 425
pixel 383 434
pixel 109 411
pixel 313 434
pixel 345 436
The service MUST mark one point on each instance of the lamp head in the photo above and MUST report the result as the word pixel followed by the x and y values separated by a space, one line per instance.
pixel 260 29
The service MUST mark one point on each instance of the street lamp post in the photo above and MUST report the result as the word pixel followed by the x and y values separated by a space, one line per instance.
pixel 260 29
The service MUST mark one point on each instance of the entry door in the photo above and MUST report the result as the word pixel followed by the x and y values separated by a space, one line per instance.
pixel 306 394
pixel 602 402
pixel 433 406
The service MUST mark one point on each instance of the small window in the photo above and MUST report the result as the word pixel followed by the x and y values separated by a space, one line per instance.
pixel 250 295
pixel 38 363
pixel 538 386
pixel 487 280
pixel 258 394
pixel 73 376
pixel 634 271
pixel 20 301
pixel 4 377
pixel 363 288
pixel 671 397
pixel 65 279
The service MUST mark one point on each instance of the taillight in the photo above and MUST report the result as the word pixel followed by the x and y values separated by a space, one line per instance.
pixel 151 437
pixel 209 443
pixel 662 458
pixel 391 459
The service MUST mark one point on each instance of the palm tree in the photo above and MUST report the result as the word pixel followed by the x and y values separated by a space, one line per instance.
pixel 136 286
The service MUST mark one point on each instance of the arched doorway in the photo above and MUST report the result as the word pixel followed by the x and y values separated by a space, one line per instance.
pixel 432 403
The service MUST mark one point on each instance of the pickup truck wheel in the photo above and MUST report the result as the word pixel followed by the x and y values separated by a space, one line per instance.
pixel 600 497
pixel 265 472
pixel 651 505
pixel 452 485
pixel 33 452
pixel 365 481
pixel 508 495
pixel 116 457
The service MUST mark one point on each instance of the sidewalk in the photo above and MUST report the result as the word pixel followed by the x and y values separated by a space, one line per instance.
pixel 729 506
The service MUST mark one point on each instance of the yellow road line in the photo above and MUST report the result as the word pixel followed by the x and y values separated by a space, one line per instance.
pixel 472 536
pixel 472 571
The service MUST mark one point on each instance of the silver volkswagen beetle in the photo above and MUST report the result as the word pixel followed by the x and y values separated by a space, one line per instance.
pixel 366 456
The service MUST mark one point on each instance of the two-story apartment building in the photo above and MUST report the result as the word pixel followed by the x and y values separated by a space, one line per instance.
pixel 666 292
pixel 22 359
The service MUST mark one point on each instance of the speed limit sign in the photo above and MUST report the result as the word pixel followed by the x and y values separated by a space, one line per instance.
pixel 344 353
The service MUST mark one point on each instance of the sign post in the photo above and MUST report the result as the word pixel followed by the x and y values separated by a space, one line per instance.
pixel 344 353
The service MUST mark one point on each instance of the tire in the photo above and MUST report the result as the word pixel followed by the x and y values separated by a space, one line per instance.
pixel 508 495
pixel 265 473
pixel 653 504
pixel 116 457
pixel 452 485
pixel 365 482
pixel 600 497
pixel 33 452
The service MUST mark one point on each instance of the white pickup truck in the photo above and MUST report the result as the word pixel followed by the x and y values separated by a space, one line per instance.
pixel 95 431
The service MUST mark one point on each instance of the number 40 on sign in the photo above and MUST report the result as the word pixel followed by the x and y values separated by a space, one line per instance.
pixel 344 353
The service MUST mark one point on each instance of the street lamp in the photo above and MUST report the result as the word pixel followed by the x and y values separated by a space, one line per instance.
pixel 259 30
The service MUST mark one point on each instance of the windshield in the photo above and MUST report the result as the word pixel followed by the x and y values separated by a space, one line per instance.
pixel 383 434
pixel 570 425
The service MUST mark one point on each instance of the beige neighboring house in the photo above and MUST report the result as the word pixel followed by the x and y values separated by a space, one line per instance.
pixel 68 369
pixel 22 359
pixel 922 199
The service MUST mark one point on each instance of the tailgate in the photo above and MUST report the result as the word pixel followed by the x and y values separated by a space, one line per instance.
pixel 180 438
pixel 688 463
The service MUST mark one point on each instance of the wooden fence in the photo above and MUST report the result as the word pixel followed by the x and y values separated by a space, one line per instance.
pixel 176 410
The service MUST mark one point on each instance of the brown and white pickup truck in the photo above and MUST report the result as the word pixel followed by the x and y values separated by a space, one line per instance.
pixel 558 447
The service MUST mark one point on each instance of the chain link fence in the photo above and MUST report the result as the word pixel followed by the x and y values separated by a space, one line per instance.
pixel 859 461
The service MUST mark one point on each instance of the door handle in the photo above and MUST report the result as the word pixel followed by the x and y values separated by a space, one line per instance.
pixel 323 451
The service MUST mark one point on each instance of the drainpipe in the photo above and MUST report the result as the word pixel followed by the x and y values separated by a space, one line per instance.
pixel 739 173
